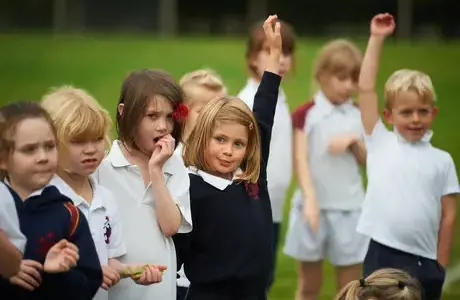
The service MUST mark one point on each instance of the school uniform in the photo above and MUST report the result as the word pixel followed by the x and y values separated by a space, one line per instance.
pixel 229 253
pixel 144 239
pixel 338 185
pixel 103 218
pixel 402 208
pixel 9 222
pixel 45 218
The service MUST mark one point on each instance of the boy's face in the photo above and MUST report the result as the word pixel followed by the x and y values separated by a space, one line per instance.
pixel 33 161
pixel 260 60
pixel 83 157
pixel 410 115
pixel 337 88
pixel 198 98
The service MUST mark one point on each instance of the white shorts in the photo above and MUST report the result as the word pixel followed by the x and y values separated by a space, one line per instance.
pixel 336 238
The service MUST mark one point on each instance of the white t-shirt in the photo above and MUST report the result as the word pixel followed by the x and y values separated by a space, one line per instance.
pixel 402 208
pixel 9 222
pixel 104 222
pixel 144 239
pixel 336 177
pixel 279 168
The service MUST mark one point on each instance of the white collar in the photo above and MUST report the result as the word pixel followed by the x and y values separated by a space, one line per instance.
pixel 326 106
pixel 216 181
pixel 425 139
pixel 98 199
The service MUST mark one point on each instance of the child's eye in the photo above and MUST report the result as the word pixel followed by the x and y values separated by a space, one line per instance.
pixel 219 139
pixel 50 146
pixel 101 138
pixel 239 144
pixel 152 116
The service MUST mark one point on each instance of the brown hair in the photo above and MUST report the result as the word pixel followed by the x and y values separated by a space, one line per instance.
pixel 138 88
pixel 256 40
pixel 224 109
pixel 10 116
pixel 339 57
pixel 384 284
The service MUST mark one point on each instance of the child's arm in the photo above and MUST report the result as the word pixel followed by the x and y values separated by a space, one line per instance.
pixel 84 280
pixel 10 257
pixel 267 94
pixel 382 25
pixel 358 148
pixel 446 229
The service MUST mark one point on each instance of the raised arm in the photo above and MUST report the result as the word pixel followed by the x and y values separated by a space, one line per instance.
pixel 267 94
pixel 382 25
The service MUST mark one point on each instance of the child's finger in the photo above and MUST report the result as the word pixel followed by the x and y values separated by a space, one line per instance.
pixel 161 268
pixel 73 247
pixel 104 286
pixel 33 264
pixel 28 278
pixel 71 254
pixel 31 271
pixel 19 282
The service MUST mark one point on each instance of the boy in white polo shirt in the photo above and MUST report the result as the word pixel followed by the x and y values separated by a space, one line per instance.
pixel 409 209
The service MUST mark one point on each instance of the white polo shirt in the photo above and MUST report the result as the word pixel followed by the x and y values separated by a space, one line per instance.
pixel 9 222
pixel 103 219
pixel 144 239
pixel 279 168
pixel 336 177
pixel 406 181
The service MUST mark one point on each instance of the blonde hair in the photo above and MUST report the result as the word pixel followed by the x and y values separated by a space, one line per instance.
pixel 76 115
pixel 384 284
pixel 409 80
pixel 338 57
pixel 224 109
pixel 205 78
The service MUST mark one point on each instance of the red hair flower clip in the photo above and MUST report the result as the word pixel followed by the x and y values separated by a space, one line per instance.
pixel 181 112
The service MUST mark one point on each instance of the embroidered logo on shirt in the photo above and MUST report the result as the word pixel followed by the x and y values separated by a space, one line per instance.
pixel 252 189
pixel 107 230
pixel 45 243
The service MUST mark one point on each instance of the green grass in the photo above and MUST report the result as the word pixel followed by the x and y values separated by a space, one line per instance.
pixel 31 64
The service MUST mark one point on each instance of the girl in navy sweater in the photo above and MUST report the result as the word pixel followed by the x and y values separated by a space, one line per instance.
pixel 28 161
pixel 229 253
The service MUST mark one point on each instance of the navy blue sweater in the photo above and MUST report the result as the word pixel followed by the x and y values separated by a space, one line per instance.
pixel 45 220
pixel 230 246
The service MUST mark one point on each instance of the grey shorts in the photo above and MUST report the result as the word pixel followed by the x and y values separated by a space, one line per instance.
pixel 336 238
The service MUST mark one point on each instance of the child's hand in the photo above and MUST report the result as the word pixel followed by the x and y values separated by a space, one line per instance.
pixel 29 276
pixel 273 35
pixel 311 213
pixel 383 25
pixel 339 144
pixel 150 274
pixel 164 148
pixel 110 277
pixel 61 257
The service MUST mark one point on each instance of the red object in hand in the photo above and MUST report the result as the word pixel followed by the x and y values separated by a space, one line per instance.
pixel 252 189
pixel 181 112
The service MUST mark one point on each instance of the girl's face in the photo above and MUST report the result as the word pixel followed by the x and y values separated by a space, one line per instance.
pixel 338 89
pixel 33 161
pixel 226 149
pixel 82 157
pixel 156 123
pixel 260 61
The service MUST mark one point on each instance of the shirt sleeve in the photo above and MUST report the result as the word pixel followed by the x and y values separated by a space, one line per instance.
pixel 378 135
pixel 116 246
pixel 299 116
pixel 451 185
pixel 178 185
pixel 247 95
pixel 9 221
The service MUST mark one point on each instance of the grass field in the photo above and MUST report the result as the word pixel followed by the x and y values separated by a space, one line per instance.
pixel 31 64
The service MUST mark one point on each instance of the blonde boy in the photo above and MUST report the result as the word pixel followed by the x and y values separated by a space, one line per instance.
pixel 410 204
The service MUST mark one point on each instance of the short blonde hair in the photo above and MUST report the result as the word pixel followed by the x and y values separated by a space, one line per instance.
pixel 339 57
pixel 383 284
pixel 409 80
pixel 224 109
pixel 205 78
pixel 76 115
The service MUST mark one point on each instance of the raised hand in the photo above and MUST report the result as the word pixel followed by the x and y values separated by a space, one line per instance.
pixel 273 33
pixel 61 257
pixel 110 277
pixel 164 148
pixel 383 25
pixel 28 277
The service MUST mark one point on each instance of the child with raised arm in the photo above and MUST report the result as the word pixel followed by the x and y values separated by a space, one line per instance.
pixel 229 253
pixel 82 128
pixel 60 259
pixel 383 284
pixel 199 87
pixel 149 183
pixel 327 151
pixel 279 172
pixel 410 205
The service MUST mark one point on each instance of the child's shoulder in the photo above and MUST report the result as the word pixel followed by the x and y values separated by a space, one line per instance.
pixel 440 157
pixel 300 113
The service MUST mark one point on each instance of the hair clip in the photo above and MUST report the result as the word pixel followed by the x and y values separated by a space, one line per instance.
pixel 181 112
pixel 362 282
pixel 401 285
pixel 251 126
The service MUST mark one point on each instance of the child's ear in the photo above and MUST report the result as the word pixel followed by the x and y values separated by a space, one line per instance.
pixel 388 116
pixel 120 108
pixel 434 112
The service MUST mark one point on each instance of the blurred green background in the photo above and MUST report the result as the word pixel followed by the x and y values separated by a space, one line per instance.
pixel 31 64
